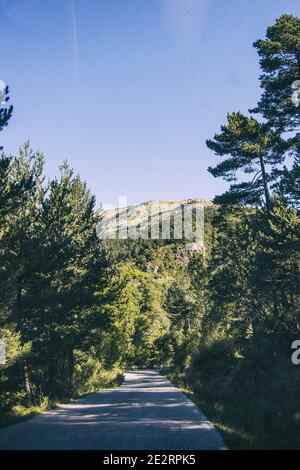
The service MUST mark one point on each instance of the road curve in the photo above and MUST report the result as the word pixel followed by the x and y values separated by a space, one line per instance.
pixel 146 412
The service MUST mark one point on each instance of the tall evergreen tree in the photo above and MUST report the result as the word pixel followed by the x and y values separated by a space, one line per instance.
pixel 253 148
pixel 62 303
pixel 279 56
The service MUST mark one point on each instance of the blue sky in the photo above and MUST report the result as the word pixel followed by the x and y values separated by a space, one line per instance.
pixel 129 90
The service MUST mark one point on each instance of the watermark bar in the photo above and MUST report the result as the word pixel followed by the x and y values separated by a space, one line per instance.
pixel 154 222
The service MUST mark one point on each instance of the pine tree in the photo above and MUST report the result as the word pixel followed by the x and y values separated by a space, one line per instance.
pixel 276 275
pixel 11 189
pixel 19 178
pixel 64 297
pixel 280 63
pixel 252 147
pixel 279 56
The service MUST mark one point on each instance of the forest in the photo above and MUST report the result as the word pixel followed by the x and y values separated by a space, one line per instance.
pixel 76 310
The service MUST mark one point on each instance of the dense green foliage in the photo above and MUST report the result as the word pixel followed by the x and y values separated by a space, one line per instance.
pixel 242 374
pixel 53 281
pixel 73 307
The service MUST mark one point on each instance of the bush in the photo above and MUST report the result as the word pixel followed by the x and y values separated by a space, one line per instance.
pixel 90 375
pixel 251 396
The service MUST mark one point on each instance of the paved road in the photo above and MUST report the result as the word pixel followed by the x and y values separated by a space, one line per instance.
pixel 146 412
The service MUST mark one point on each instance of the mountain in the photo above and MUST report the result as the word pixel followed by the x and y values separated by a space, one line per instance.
pixel 135 221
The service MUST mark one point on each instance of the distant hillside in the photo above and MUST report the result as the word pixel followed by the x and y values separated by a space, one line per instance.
pixel 137 216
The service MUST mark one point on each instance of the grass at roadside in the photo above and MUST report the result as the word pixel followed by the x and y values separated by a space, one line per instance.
pixel 18 413
pixel 254 402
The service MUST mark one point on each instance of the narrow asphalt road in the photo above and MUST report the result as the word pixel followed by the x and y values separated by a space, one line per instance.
pixel 146 412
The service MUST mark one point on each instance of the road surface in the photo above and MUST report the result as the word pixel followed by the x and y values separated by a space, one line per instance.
pixel 146 412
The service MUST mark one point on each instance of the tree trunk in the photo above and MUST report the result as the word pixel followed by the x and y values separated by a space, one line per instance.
pixel 51 374
pixel 265 183
pixel 27 383
pixel 71 367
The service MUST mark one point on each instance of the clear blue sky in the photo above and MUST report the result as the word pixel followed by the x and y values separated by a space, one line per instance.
pixel 128 90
